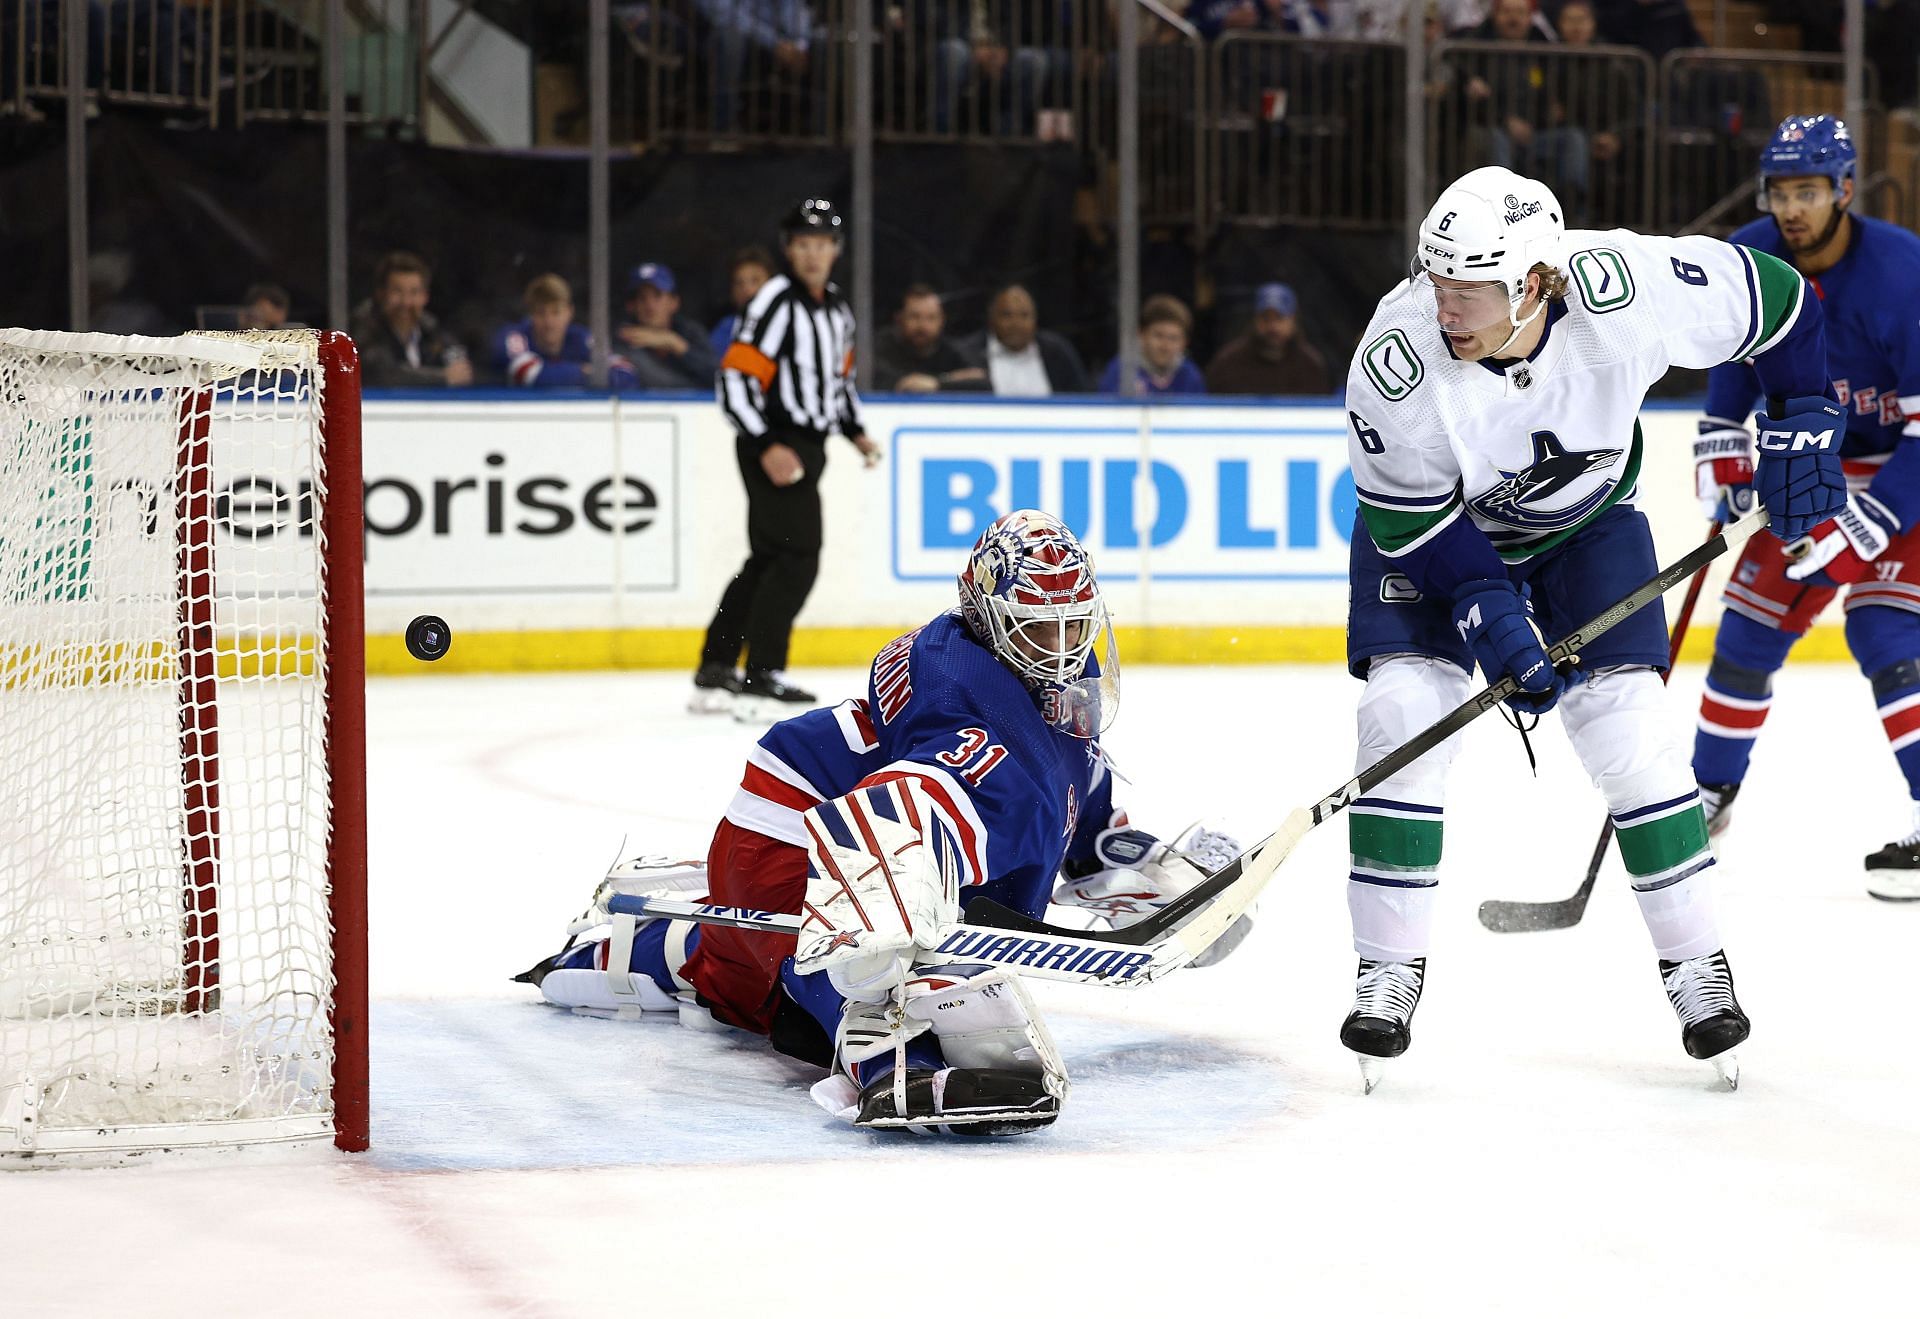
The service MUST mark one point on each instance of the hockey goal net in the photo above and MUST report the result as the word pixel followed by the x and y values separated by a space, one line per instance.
pixel 182 805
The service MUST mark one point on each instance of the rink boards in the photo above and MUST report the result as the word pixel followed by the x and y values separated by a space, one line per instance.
pixel 561 533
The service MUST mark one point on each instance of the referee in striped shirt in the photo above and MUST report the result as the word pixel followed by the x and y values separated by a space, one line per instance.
pixel 785 383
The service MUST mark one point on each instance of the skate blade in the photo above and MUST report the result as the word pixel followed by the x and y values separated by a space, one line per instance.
pixel 1371 1070
pixel 715 700
pixel 1727 1067
pixel 1893 885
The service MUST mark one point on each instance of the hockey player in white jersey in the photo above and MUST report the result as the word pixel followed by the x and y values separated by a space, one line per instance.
pixel 1495 448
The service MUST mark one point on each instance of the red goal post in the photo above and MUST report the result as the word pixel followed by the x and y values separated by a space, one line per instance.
pixel 182 743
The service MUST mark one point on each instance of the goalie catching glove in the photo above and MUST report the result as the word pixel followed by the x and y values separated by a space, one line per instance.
pixel 883 867
pixel 1139 874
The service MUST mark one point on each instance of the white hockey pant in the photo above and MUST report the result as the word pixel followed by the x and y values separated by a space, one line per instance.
pixel 1394 832
pixel 1618 723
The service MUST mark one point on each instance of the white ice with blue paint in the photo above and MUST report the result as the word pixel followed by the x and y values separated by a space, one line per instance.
pixel 1545 1149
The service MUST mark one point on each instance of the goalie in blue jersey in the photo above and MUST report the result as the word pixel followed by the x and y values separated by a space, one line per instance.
pixel 970 769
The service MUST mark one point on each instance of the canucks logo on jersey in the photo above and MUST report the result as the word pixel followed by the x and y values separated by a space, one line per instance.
pixel 1525 500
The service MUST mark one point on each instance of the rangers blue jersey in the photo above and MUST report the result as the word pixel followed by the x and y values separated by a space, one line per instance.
pixel 517 359
pixel 1871 297
pixel 942 710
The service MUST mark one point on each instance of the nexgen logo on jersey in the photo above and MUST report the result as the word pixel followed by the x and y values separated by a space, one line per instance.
pixel 1774 441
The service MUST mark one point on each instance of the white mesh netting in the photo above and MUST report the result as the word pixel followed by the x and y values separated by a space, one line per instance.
pixel 165 951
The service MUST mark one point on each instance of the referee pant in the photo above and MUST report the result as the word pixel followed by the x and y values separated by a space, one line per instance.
pixel 783 541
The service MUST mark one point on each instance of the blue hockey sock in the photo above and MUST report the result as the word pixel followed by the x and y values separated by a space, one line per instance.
pixel 1896 695
pixel 1884 641
pixel 1738 697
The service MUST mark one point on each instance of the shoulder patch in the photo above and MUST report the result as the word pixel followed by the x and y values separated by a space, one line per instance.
pixel 1604 281
pixel 1392 365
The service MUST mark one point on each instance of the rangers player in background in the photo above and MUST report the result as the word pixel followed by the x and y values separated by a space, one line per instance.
pixel 1495 448
pixel 970 769
pixel 1867 275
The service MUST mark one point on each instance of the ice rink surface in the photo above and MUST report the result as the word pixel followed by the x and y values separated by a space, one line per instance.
pixel 1546 1148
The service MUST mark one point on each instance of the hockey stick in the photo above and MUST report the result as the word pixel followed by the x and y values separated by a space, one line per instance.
pixel 1513 917
pixel 1186 927
pixel 1070 955
pixel 1209 909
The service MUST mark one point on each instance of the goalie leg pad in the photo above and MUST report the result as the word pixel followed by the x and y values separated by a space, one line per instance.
pixel 961 1051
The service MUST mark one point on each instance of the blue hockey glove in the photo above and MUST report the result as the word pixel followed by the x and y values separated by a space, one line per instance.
pixel 1799 478
pixel 1496 619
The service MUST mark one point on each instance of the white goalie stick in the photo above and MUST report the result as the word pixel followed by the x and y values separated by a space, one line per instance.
pixel 1186 927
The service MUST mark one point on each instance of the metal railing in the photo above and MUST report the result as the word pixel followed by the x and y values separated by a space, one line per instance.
pixel 1717 109
pixel 1581 119
pixel 138 52
pixel 1304 130
pixel 229 61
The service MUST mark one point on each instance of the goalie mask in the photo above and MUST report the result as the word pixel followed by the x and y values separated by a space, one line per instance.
pixel 1028 595
pixel 1489 229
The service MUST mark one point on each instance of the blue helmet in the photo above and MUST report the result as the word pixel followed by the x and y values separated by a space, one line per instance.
pixel 1807 144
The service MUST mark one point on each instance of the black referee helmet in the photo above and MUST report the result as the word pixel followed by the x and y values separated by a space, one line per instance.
pixel 815 215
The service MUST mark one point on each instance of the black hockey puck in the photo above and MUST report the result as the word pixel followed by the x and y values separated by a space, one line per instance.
pixel 429 638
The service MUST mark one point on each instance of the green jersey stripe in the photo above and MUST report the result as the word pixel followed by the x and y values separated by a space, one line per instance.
pixel 1399 530
pixel 1781 293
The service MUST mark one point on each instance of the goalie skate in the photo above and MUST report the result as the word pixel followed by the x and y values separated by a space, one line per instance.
pixel 958 1101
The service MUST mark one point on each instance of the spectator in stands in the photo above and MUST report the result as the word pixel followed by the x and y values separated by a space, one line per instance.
pixel 914 355
pixel 747 270
pixel 548 350
pixel 759 47
pixel 1002 53
pixel 1656 26
pixel 1520 117
pixel 265 308
pixel 669 348
pixel 1165 327
pixel 1271 357
pixel 401 345
pixel 1604 101
pixel 1213 17
pixel 1023 360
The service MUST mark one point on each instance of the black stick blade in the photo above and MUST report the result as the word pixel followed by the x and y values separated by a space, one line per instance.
pixel 1530 917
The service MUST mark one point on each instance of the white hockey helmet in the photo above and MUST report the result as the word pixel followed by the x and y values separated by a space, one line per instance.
pixel 1494 225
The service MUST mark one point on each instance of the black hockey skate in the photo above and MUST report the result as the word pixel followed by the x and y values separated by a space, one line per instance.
pixel 766 696
pixel 714 688
pixel 1893 873
pixel 1381 1023
pixel 1711 1022
pixel 1716 799
pixel 959 1101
